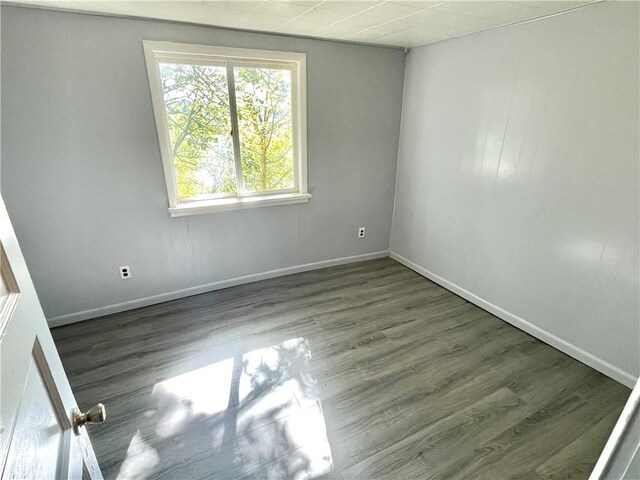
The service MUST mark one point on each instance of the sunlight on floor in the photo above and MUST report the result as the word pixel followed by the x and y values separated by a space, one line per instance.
pixel 256 413
pixel 197 389
pixel 141 458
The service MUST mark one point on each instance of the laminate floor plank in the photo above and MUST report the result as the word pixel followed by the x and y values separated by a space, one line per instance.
pixel 576 459
pixel 358 371
pixel 526 445
pixel 435 445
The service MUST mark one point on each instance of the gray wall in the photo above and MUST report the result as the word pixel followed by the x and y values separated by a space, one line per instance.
pixel 82 175
pixel 518 177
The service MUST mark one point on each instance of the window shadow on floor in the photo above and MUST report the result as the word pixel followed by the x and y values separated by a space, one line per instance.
pixel 256 414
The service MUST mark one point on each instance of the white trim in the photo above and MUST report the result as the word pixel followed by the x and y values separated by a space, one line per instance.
pixel 207 287
pixel 155 52
pixel 612 451
pixel 155 86
pixel 167 49
pixel 578 353
pixel 299 107
pixel 235 137
pixel 237 203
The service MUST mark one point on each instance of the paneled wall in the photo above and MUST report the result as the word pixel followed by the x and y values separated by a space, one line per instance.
pixel 518 178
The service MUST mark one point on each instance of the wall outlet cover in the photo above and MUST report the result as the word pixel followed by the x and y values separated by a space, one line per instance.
pixel 125 272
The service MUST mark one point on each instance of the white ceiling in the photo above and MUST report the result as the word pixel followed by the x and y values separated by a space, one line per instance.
pixel 401 23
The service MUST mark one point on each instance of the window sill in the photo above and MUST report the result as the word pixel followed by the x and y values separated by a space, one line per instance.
pixel 227 204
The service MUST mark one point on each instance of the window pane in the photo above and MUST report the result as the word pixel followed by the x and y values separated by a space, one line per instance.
pixel 197 105
pixel 263 98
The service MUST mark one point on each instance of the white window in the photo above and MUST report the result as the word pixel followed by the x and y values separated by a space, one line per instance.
pixel 231 124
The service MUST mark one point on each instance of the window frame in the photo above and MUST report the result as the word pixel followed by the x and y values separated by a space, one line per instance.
pixel 157 52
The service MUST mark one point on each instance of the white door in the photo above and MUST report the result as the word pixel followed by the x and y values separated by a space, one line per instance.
pixel 37 436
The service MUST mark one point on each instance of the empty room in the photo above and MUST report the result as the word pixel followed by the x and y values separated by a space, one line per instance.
pixel 320 239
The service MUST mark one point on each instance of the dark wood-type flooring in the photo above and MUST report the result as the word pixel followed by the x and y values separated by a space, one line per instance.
pixel 360 371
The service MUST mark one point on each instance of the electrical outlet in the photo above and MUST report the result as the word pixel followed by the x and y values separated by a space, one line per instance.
pixel 125 272
pixel 361 232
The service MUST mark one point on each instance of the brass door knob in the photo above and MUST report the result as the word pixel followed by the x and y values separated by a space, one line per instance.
pixel 96 414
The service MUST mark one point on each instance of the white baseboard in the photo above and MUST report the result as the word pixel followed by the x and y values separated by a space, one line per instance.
pixel 612 371
pixel 208 287
pixel 576 352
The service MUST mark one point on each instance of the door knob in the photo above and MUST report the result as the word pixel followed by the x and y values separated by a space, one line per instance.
pixel 96 414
